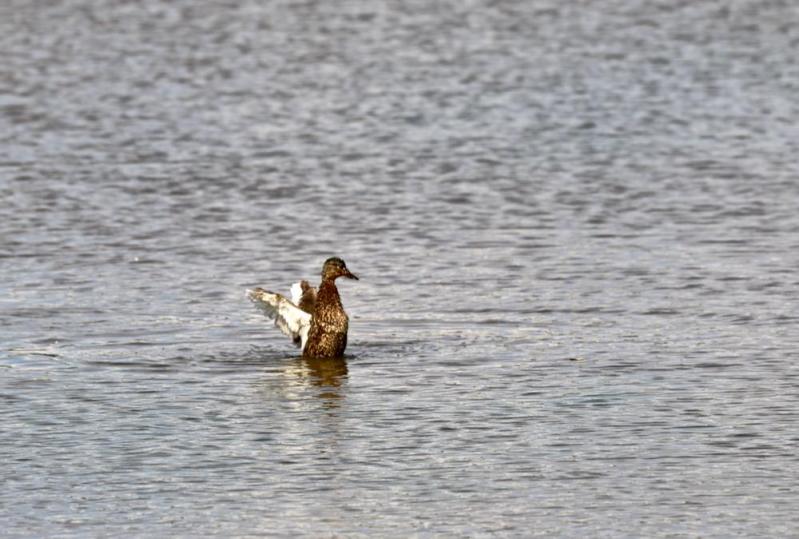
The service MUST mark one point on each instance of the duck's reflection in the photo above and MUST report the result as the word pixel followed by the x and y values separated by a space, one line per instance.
pixel 326 372
pixel 329 375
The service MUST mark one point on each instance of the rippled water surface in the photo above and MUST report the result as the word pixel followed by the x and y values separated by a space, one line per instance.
pixel 575 225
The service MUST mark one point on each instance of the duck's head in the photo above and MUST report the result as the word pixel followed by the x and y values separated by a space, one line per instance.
pixel 335 267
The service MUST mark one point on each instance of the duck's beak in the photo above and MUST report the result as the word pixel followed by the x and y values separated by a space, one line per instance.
pixel 350 275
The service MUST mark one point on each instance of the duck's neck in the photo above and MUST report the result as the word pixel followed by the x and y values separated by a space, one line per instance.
pixel 327 292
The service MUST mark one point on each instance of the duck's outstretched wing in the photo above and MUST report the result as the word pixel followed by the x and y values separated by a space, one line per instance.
pixel 303 295
pixel 291 320
pixel 296 292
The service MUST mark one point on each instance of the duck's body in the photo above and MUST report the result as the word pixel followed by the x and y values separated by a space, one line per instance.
pixel 316 319
pixel 329 324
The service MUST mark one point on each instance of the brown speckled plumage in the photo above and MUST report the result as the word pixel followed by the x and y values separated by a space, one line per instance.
pixel 328 334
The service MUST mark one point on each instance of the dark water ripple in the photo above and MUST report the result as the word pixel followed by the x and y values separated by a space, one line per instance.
pixel 575 226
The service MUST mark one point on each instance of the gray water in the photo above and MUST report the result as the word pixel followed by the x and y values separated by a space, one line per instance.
pixel 575 225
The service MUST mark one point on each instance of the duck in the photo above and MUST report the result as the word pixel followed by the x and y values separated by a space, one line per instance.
pixel 314 318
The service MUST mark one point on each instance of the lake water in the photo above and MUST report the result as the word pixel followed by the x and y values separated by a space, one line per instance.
pixel 575 225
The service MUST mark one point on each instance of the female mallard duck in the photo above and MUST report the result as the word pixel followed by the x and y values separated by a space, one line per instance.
pixel 315 319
